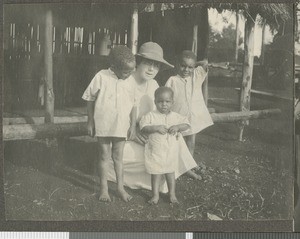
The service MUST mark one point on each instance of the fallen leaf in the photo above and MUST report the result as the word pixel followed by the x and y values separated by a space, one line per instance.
pixel 236 170
pixel 213 217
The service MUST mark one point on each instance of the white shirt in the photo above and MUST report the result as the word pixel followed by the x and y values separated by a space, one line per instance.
pixel 189 101
pixel 161 151
pixel 114 99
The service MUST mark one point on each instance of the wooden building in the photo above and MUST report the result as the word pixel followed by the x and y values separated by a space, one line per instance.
pixel 82 35
pixel 52 51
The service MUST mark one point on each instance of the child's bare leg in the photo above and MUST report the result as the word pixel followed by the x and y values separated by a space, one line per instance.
pixel 190 142
pixel 104 156
pixel 117 156
pixel 170 177
pixel 155 182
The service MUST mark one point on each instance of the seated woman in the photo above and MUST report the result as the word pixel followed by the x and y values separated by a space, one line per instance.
pixel 149 61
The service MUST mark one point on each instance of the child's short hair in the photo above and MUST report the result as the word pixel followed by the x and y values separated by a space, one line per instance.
pixel 187 54
pixel 120 56
pixel 162 90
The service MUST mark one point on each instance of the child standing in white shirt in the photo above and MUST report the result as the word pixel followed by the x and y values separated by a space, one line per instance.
pixel 188 97
pixel 162 149
pixel 109 104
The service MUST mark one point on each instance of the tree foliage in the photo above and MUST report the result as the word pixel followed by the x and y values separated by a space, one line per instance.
pixel 224 39
pixel 273 13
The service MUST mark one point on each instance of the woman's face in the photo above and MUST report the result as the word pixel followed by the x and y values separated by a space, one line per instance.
pixel 147 69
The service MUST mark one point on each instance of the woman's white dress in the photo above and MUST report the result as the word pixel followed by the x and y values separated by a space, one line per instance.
pixel 135 175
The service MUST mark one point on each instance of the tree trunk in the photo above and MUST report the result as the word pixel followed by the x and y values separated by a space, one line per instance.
pixel 247 115
pixel 237 37
pixel 247 69
pixel 49 93
pixel 262 54
pixel 67 129
pixel 134 33
pixel 40 131
pixel 40 120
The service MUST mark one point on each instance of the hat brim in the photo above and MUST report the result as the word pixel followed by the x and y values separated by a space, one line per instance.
pixel 156 58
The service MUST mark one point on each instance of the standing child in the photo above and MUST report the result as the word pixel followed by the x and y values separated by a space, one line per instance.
pixel 162 149
pixel 108 106
pixel 188 97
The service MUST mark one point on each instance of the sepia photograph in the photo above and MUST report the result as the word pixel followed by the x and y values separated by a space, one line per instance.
pixel 150 111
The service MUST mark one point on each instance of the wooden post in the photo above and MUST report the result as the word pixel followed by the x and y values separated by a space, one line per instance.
pixel 237 37
pixel 247 70
pixel 134 33
pixel 48 61
pixel 262 54
pixel 195 39
pixel 296 26
pixel 204 21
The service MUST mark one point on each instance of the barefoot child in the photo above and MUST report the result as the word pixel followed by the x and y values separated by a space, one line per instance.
pixel 162 149
pixel 109 106
pixel 188 97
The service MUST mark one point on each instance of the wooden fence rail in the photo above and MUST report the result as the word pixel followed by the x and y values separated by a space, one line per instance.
pixel 73 128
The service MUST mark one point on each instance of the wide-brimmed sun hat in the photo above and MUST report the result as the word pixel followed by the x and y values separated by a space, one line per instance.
pixel 153 51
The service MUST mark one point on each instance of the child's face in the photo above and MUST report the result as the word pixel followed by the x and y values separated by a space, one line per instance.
pixel 185 67
pixel 164 102
pixel 124 72
pixel 148 69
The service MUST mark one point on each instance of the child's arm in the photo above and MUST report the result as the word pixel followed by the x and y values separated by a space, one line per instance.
pixel 150 129
pixel 204 65
pixel 205 90
pixel 178 128
pixel 91 121
pixel 90 95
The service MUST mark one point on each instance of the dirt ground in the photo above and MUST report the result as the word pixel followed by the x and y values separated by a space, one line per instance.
pixel 244 180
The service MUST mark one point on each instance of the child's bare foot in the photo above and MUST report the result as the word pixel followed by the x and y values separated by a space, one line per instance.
pixel 154 200
pixel 124 195
pixel 173 199
pixel 193 175
pixel 104 197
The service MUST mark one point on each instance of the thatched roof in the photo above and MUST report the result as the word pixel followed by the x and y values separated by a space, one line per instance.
pixel 273 13
pixel 77 14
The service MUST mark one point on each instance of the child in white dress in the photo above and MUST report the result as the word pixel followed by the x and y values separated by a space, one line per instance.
pixel 109 104
pixel 188 96
pixel 162 149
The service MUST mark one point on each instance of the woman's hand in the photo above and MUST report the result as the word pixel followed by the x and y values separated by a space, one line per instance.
pixel 140 138
pixel 91 128
pixel 131 134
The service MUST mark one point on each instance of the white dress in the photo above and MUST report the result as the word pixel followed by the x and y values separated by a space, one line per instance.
pixel 161 150
pixel 135 175
pixel 114 100
pixel 189 101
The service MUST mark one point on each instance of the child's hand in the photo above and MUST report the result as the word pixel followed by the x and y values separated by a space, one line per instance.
pixel 131 133
pixel 173 130
pixel 162 129
pixel 204 64
pixel 91 128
